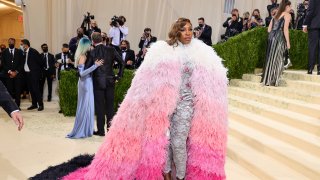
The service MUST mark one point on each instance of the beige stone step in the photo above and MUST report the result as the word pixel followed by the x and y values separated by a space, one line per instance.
pixel 258 163
pixel 301 75
pixel 281 152
pixel 235 171
pixel 305 141
pixel 311 97
pixel 303 85
pixel 252 77
pixel 305 123
pixel 280 102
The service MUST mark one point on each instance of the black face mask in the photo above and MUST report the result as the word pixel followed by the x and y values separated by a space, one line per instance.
pixel 45 50
pixel 201 25
pixel 65 52
pixel 80 35
pixel 11 46
pixel 123 48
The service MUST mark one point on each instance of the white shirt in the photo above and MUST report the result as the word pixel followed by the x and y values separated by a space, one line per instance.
pixel 11 51
pixel 64 61
pixel 47 61
pixel 114 33
pixel 124 55
pixel 26 67
pixel 125 31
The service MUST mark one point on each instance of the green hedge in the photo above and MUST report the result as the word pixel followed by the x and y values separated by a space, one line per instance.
pixel 68 91
pixel 246 51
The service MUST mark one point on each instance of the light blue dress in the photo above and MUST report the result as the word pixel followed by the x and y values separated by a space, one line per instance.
pixel 84 122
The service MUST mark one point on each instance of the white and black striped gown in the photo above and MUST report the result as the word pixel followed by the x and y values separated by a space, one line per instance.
pixel 275 56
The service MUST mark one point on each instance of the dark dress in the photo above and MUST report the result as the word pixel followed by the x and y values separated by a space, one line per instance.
pixel 275 56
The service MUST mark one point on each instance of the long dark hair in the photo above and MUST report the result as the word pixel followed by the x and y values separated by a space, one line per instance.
pixel 282 8
pixel 175 31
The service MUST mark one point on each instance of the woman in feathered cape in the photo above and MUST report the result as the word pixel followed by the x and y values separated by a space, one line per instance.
pixel 136 145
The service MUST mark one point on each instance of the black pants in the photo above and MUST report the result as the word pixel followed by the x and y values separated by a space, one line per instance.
pixel 49 77
pixel 34 88
pixel 104 100
pixel 14 88
pixel 314 48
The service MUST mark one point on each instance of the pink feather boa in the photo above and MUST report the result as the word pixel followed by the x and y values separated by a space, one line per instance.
pixel 135 146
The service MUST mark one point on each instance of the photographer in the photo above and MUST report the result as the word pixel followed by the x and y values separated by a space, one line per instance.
pixel 93 28
pixel 273 13
pixel 146 39
pixel 73 44
pixel 255 20
pixel 118 31
pixel 301 14
pixel 273 5
pixel 234 25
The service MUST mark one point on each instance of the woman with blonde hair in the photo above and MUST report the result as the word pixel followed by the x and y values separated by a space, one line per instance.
pixel 84 122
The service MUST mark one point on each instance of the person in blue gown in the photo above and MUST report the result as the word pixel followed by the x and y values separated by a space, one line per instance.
pixel 84 121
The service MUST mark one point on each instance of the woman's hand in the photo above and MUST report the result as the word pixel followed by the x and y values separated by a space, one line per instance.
pixel 288 45
pixel 99 62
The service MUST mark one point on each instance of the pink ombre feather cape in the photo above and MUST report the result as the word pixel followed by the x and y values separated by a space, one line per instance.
pixel 136 145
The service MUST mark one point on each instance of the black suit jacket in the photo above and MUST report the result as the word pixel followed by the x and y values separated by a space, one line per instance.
pixel 237 25
pixel 34 61
pixel 14 64
pixel 60 57
pixel 206 35
pixel 152 40
pixel 104 76
pixel 6 101
pixel 51 63
pixel 312 19
pixel 129 56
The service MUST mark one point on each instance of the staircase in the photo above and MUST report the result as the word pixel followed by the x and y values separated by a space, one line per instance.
pixel 274 132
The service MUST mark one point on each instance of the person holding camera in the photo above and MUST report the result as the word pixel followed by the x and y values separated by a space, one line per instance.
pixel 93 28
pixel 118 31
pixel 146 39
pixel 270 7
pixel 311 26
pixel 234 25
pixel 301 14
pixel 64 60
pixel 73 43
pixel 255 20
pixel 203 32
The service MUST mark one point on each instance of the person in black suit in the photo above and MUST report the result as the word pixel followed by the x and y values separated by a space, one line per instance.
pixel 64 60
pixel 234 24
pixel 204 32
pixel 33 67
pixel 10 107
pixel 2 74
pixel 104 81
pixel 12 61
pixel 146 39
pixel 48 71
pixel 312 26
pixel 93 28
pixel 127 54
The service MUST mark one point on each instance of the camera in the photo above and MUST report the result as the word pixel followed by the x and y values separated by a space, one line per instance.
pixel 115 20
pixel 86 21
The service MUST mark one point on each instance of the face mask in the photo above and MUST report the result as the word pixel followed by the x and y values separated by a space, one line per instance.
pixel 45 50
pixel 11 46
pixel 201 25
pixel 80 35
pixel 65 52
pixel 123 48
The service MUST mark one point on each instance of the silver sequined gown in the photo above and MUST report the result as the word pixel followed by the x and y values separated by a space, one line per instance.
pixel 275 56
pixel 180 125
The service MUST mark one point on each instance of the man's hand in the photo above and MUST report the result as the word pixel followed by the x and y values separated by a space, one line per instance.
pixel 305 29
pixel 129 62
pixel 17 119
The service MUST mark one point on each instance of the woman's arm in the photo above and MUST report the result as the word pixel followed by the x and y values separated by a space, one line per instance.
pixel 287 19
pixel 270 26
pixel 83 72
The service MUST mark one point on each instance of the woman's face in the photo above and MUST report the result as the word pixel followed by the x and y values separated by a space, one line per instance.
pixel 255 13
pixel 288 8
pixel 186 34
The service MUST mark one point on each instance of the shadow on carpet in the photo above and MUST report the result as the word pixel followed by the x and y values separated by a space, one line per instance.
pixel 57 172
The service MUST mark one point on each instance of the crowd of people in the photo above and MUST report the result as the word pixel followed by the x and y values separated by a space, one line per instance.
pixel 235 24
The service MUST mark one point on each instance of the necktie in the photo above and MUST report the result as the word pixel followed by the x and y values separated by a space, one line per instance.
pixel 11 54
pixel 47 63
pixel 65 61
